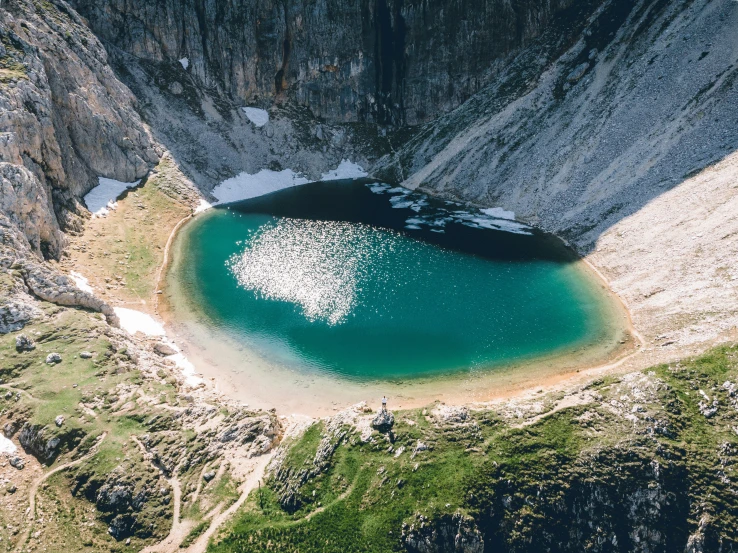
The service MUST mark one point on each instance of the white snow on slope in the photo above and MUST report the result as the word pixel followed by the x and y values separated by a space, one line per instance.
pixel 266 181
pixel 499 213
pixel 6 446
pixel 187 368
pixel 245 186
pixel 185 63
pixel 203 205
pixel 81 282
pixel 258 117
pixel 345 170
pixel 102 198
pixel 134 321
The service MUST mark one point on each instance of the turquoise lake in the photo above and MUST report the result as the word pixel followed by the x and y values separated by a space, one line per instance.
pixel 365 281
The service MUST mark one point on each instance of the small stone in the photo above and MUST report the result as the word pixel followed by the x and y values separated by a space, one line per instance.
pixel 53 359
pixel 176 88
pixel 208 476
pixel 24 343
pixel 128 541
pixel 11 488
pixel 86 355
pixel 17 463
pixel 8 395
pixel 59 420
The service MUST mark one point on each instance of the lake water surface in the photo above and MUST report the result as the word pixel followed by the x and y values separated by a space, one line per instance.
pixel 366 282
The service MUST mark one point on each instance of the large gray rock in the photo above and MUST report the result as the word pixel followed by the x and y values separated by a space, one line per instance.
pixel 447 534
pixel 15 315
pixel 384 421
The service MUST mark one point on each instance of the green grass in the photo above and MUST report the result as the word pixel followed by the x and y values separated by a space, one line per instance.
pixel 519 485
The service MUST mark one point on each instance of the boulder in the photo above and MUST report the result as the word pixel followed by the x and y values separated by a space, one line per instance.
pixel 17 463
pixel 85 355
pixel 59 420
pixel 24 343
pixel 384 421
pixel 208 476
pixel 53 359
pixel 164 350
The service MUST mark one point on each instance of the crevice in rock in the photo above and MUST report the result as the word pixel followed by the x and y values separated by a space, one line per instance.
pixel 390 61
pixel 280 83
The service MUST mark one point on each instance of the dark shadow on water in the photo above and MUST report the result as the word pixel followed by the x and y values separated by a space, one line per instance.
pixel 355 202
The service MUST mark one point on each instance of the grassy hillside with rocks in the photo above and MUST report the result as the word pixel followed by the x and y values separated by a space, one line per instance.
pixel 645 462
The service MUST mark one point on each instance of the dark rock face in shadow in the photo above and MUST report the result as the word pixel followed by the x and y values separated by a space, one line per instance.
pixel 384 61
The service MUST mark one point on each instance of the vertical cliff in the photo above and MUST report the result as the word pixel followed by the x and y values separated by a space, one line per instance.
pixel 384 61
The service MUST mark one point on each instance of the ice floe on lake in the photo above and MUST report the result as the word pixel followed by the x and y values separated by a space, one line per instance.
pixel 499 213
pixel 259 117
pixel 101 199
pixel 436 218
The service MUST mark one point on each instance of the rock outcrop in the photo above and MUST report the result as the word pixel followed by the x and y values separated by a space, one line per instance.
pixel 384 421
pixel 46 443
pixel 448 534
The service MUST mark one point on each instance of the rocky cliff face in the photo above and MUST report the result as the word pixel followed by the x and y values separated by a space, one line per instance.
pixel 617 102
pixel 65 119
pixel 386 61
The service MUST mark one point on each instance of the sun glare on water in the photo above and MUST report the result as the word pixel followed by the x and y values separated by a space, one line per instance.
pixel 317 265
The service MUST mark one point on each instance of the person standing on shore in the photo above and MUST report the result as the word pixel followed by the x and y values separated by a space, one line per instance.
pixel 384 403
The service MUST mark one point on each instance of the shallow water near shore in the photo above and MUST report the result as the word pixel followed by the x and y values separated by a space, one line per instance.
pixel 356 283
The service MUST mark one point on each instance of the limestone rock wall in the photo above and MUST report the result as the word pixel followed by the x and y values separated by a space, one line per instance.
pixel 65 119
pixel 387 61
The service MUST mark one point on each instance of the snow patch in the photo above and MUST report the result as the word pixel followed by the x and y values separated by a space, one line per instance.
pixel 499 213
pixel 101 199
pixel 187 369
pixel 203 205
pixel 81 282
pixel 134 321
pixel 345 170
pixel 259 117
pixel 6 446
pixel 246 186
pixel 185 63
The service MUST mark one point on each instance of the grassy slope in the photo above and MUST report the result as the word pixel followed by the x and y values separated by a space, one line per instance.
pixel 50 391
pixel 527 487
